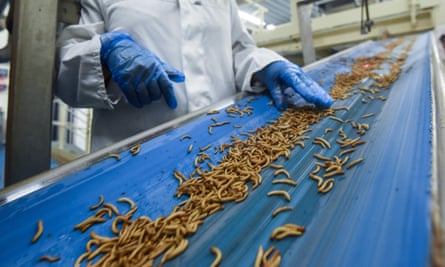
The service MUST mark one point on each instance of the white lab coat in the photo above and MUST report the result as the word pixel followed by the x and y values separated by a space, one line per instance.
pixel 205 39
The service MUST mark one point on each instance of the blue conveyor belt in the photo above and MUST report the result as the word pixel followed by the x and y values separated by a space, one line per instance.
pixel 378 213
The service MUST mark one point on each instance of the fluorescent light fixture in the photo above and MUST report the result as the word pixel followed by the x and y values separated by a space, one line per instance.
pixel 250 18
pixel 270 27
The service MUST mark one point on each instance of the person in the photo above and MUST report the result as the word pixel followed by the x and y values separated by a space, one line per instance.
pixel 124 57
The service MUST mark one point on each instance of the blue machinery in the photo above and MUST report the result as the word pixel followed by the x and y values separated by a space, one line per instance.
pixel 382 212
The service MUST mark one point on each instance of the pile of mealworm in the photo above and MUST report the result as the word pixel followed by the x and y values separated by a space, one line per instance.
pixel 138 242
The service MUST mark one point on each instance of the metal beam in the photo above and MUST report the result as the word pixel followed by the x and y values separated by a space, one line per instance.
pixel 28 146
pixel 304 23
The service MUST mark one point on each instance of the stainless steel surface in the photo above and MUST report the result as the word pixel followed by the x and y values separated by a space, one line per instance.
pixel 28 150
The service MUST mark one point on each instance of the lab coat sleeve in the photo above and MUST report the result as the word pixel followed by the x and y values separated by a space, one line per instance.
pixel 80 79
pixel 247 57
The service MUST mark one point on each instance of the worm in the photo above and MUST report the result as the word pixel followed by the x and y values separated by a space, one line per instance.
pixel 210 130
pixel 326 186
pixel 202 149
pixel 341 108
pixel 285 181
pixel 383 98
pixel 113 155
pixel 212 112
pixel 127 200
pixel 317 142
pixel 317 169
pixel 333 173
pixel 320 157
pixel 336 119
pixel 355 162
pixel 39 231
pixel 214 120
pixel 282 171
pixel 367 115
pixel 190 149
pixel 236 126
pixel 259 257
pixel 281 209
pixel 135 149
pixel 328 130
pixel 185 137
pixel 316 178
pixel 364 101
pixel 112 207
pixel 87 223
pixel 218 256
pixel 324 141
pixel 350 150
pixel 280 192
pixel 287 230
pixel 49 258
pixel 276 166
pixel 101 201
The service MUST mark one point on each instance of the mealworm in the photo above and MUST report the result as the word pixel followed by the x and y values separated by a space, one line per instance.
pixel 371 97
pixel 259 257
pixel 285 181
pixel 39 231
pixel 367 115
pixel 324 141
pixel 364 101
pixel 87 223
pixel 112 207
pixel 336 119
pixel 355 162
pixel 350 150
pixel 190 149
pixel 135 149
pixel 218 256
pixel 328 130
pixel 287 230
pixel 320 157
pixel 333 173
pixel 113 155
pixel 202 149
pixel 212 112
pixel 49 258
pixel 101 201
pixel 383 98
pixel 236 126
pixel 127 200
pixel 282 171
pixel 318 142
pixel 281 209
pixel 214 120
pixel 326 186
pixel 341 108
pixel 317 169
pixel 185 137
pixel 280 192
pixel 276 166
pixel 210 130
pixel 316 178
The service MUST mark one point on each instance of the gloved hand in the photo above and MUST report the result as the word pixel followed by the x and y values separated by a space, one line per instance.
pixel 283 76
pixel 140 74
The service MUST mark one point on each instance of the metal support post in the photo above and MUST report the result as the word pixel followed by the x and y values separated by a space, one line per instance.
pixel 306 38
pixel 28 145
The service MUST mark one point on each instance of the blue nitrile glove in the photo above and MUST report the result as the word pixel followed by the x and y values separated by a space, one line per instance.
pixel 283 76
pixel 140 74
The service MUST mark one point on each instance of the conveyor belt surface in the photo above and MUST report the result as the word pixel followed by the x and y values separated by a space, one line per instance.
pixel 376 215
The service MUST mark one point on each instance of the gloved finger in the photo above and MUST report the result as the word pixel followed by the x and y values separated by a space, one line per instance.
pixel 128 90
pixel 278 97
pixel 167 90
pixel 173 74
pixel 152 86
pixel 308 89
pixel 140 88
pixel 294 99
